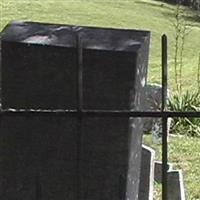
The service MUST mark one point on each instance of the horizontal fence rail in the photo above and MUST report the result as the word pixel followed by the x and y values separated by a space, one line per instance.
pixel 105 113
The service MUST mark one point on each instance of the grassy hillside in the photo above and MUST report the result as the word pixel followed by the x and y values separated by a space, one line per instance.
pixel 151 15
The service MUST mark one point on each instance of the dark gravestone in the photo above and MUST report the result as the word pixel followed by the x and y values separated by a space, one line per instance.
pixel 39 66
pixel 110 57
pixel 45 152
pixel 106 151
pixel 104 86
pixel 147 173
pixel 38 157
pixel 176 189
pixel 108 169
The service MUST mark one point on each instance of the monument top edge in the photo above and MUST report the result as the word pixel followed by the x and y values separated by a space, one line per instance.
pixel 63 35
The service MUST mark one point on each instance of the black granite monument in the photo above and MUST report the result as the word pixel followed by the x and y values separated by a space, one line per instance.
pixel 48 153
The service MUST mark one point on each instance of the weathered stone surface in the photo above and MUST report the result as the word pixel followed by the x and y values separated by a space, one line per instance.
pixel 108 79
pixel 158 171
pixel 38 67
pixel 175 187
pixel 105 153
pixel 152 102
pixel 0 70
pixel 68 163
pixel 134 164
pixel 42 147
pixel 104 158
pixel 147 174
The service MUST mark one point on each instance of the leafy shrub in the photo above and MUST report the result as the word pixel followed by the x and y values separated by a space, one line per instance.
pixel 189 101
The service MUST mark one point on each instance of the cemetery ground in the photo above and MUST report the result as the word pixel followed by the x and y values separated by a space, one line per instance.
pixel 184 152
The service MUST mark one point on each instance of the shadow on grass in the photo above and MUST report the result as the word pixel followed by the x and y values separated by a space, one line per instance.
pixel 156 5
pixel 192 16
pixel 193 19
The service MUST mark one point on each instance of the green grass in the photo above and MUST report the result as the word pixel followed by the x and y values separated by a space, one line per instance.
pixel 184 153
pixel 140 14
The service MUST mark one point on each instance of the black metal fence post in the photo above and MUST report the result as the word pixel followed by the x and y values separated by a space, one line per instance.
pixel 164 118
pixel 80 106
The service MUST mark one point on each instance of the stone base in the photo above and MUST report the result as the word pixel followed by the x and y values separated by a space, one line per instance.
pixel 175 181
pixel 147 174
pixel 152 171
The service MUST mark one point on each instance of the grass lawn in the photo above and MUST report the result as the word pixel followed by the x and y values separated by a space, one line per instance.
pixel 184 153
pixel 138 14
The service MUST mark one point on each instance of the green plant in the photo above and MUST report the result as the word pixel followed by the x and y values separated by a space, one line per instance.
pixel 182 29
pixel 189 101
pixel 183 101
